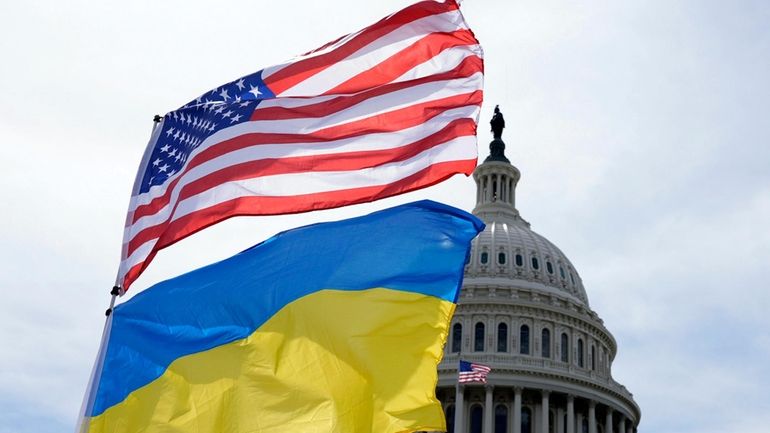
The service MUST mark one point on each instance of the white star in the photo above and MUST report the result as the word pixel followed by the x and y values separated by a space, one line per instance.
pixel 238 98
pixel 178 156
pixel 245 103
pixel 213 125
pixel 166 147
pixel 224 94
pixel 240 84
pixel 171 173
pixel 173 152
pixel 156 162
pixel 189 119
pixel 255 91
pixel 170 131
pixel 163 167
pixel 176 136
pixel 173 113
pixel 228 114
pixel 235 118
pixel 220 109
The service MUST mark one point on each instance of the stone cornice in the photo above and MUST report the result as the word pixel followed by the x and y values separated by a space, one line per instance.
pixel 538 310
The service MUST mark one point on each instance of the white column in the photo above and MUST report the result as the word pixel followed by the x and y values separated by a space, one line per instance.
pixel 488 409
pixel 570 414
pixel 516 410
pixel 544 412
pixel 591 416
pixel 622 424
pixel 608 421
pixel 460 409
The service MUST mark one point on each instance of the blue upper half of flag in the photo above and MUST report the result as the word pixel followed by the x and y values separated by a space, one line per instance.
pixel 465 366
pixel 420 247
pixel 184 129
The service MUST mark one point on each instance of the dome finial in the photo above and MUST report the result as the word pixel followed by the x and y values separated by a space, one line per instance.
pixel 497 147
pixel 498 123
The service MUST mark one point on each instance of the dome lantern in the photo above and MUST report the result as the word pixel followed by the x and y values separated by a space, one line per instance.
pixel 496 178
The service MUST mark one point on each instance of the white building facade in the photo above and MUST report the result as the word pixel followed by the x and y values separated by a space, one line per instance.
pixel 524 312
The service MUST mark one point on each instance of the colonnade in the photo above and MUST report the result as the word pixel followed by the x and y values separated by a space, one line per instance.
pixel 542 410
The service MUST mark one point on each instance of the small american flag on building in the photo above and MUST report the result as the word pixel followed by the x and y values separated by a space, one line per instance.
pixel 472 372
pixel 379 112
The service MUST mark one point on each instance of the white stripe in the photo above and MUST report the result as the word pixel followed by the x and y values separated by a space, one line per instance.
pixel 375 52
pixel 315 53
pixel 444 61
pixel 367 108
pixel 287 185
pixel 138 256
pixel 378 141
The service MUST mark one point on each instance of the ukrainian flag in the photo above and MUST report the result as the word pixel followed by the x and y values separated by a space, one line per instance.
pixel 333 327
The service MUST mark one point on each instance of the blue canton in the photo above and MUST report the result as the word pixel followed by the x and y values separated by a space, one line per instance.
pixel 186 128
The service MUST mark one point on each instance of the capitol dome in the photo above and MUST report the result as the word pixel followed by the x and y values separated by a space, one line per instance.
pixel 524 312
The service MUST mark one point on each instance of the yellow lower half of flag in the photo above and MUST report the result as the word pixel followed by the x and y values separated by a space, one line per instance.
pixel 332 361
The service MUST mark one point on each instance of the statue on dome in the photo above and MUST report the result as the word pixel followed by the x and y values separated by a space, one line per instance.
pixel 498 123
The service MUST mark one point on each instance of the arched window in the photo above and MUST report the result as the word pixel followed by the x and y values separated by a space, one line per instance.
pixel 524 340
pixel 478 338
pixel 549 267
pixel 519 260
pixel 580 352
pixel 502 337
pixel 561 272
pixel 450 418
pixel 545 343
pixel 584 426
pixel 593 357
pixel 564 348
pixel 501 419
pixel 535 263
pixel 477 413
pixel 501 258
pixel 526 420
pixel 457 337
pixel 484 258
pixel 572 278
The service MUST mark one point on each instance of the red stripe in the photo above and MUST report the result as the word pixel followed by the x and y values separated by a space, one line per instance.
pixel 387 122
pixel 406 59
pixel 350 161
pixel 469 66
pixel 301 70
pixel 201 219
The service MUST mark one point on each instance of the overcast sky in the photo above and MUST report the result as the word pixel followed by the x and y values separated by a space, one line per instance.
pixel 641 128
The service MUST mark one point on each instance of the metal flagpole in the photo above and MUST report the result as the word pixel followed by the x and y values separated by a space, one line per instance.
pixel 82 425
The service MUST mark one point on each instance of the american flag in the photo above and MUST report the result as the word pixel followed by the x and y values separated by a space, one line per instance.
pixel 472 372
pixel 379 112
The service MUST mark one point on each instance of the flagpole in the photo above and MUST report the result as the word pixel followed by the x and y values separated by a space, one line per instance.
pixel 459 395
pixel 93 382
